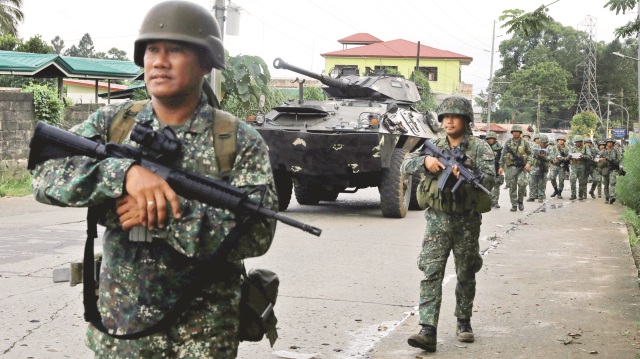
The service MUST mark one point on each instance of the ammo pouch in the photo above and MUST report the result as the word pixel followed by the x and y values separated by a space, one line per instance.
pixel 259 292
pixel 466 199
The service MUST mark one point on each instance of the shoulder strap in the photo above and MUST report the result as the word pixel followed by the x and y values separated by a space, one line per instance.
pixel 123 121
pixel 225 128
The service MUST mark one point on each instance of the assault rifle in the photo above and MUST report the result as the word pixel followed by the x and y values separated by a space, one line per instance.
pixel 450 158
pixel 51 142
pixel 517 159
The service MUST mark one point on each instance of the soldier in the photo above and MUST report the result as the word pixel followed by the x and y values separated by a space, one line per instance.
pixel 539 170
pixel 559 156
pixel 579 156
pixel 526 136
pixel 453 223
pixel 515 162
pixel 611 157
pixel 178 45
pixel 597 171
pixel 536 139
pixel 492 140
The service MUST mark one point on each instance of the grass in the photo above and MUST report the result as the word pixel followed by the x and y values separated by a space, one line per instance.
pixel 15 184
pixel 633 221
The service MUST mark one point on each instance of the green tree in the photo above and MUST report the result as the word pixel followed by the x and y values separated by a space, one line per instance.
pixel 583 123
pixel 9 42
pixel 10 16
pixel 47 105
pixel 73 51
pixel 427 101
pixel 58 45
pixel 246 77
pixel 35 45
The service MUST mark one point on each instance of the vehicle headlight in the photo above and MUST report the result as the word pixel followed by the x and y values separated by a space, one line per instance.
pixel 260 119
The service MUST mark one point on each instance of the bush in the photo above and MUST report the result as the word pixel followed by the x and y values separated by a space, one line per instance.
pixel 15 183
pixel 628 186
pixel 47 105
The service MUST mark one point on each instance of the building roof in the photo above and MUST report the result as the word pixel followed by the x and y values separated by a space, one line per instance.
pixel 92 84
pixel 399 49
pixel 52 65
pixel 361 38
pixel 494 127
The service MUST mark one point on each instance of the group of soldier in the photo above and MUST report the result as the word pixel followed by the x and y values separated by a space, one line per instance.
pixel 523 161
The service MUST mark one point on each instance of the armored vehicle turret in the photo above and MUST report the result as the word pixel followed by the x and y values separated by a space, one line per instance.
pixel 358 138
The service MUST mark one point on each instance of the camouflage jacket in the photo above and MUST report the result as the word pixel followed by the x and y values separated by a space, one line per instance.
pixel 613 156
pixel 139 281
pixel 497 152
pixel 559 154
pixel 539 163
pixel 586 156
pixel 522 148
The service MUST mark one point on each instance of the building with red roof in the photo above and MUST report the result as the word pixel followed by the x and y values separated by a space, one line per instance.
pixel 442 67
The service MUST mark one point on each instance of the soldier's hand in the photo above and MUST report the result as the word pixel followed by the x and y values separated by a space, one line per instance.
pixel 433 165
pixel 527 167
pixel 455 171
pixel 151 193
pixel 500 171
pixel 128 212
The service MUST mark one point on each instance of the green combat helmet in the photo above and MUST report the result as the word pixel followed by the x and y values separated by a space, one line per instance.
pixel 185 22
pixel 602 142
pixel 578 138
pixel 588 140
pixel 456 105
pixel 544 138
pixel 491 134
pixel 527 134
pixel 610 139
pixel 562 137
pixel 516 128
pixel 537 135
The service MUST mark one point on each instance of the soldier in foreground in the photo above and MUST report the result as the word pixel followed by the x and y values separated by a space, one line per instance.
pixel 178 44
pixel 492 140
pixel 578 160
pixel 515 162
pixel 611 159
pixel 453 222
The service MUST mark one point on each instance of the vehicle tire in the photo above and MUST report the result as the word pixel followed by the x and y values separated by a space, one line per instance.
pixel 328 195
pixel 306 195
pixel 284 187
pixel 413 202
pixel 395 188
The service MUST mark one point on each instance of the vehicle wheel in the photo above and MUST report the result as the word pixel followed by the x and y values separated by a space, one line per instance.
pixel 413 202
pixel 306 195
pixel 395 188
pixel 284 187
pixel 329 195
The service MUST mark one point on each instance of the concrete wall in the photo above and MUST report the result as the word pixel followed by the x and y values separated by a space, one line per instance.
pixel 73 115
pixel 16 126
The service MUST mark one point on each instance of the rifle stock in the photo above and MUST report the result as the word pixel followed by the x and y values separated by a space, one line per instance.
pixel 50 142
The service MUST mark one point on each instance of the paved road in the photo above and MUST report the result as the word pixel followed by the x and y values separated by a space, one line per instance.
pixel 349 293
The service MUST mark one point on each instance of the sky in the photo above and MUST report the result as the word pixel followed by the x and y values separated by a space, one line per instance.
pixel 298 31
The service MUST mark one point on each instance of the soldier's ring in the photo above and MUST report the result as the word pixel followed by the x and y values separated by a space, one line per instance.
pixel 150 203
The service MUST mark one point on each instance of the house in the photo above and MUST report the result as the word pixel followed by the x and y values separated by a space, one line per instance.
pixel 84 91
pixel 370 54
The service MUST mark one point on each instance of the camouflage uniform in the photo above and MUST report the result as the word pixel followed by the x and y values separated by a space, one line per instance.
pixel 451 230
pixel 497 151
pixel 539 171
pixel 141 281
pixel 515 176
pixel 558 154
pixel 579 169
pixel 610 171
pixel 597 172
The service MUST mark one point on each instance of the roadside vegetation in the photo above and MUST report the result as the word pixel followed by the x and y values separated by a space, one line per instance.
pixel 15 183
pixel 628 191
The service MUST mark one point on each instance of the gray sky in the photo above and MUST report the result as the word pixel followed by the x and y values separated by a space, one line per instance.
pixel 298 31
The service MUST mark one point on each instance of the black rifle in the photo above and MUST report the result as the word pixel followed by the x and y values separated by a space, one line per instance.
pixel 51 142
pixel 450 158
pixel 517 159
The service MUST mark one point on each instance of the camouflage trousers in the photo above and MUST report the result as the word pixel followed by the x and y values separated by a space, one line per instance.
pixel 538 184
pixel 579 175
pixel 596 182
pixel 517 181
pixel 609 184
pixel 446 233
pixel 495 192
pixel 558 174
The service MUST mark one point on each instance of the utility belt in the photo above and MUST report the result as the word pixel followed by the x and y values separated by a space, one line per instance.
pixel 465 200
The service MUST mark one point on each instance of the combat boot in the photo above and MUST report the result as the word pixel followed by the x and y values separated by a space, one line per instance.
pixel 514 208
pixel 592 192
pixel 559 194
pixel 531 199
pixel 606 200
pixel 611 200
pixel 426 339
pixel 572 198
pixel 521 206
pixel 555 192
pixel 464 331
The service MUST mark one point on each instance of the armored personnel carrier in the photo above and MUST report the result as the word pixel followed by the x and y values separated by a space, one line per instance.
pixel 356 139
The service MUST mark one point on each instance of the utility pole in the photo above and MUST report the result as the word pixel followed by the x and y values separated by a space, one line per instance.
pixel 638 19
pixel 606 130
pixel 216 78
pixel 538 120
pixel 493 40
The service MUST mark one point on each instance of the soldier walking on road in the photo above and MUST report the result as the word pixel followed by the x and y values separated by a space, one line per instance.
pixel 515 162
pixel 580 155
pixel 453 222
pixel 492 140
pixel 597 171
pixel 539 170
pixel 559 156
pixel 611 157
pixel 142 277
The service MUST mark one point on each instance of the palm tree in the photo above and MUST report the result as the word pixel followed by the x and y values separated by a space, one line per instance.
pixel 10 16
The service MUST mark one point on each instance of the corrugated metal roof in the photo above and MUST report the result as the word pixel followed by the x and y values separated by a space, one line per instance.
pixel 52 65
pixel 398 49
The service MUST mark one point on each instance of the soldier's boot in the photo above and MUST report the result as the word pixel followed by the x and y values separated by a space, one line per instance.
pixel 611 200
pixel 426 339
pixel 555 192
pixel 540 200
pixel 592 192
pixel 606 200
pixel 495 204
pixel 514 208
pixel 559 193
pixel 573 197
pixel 521 206
pixel 464 331
pixel 531 199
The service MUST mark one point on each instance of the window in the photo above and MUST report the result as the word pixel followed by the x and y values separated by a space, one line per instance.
pixel 430 72
pixel 378 70
pixel 345 70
